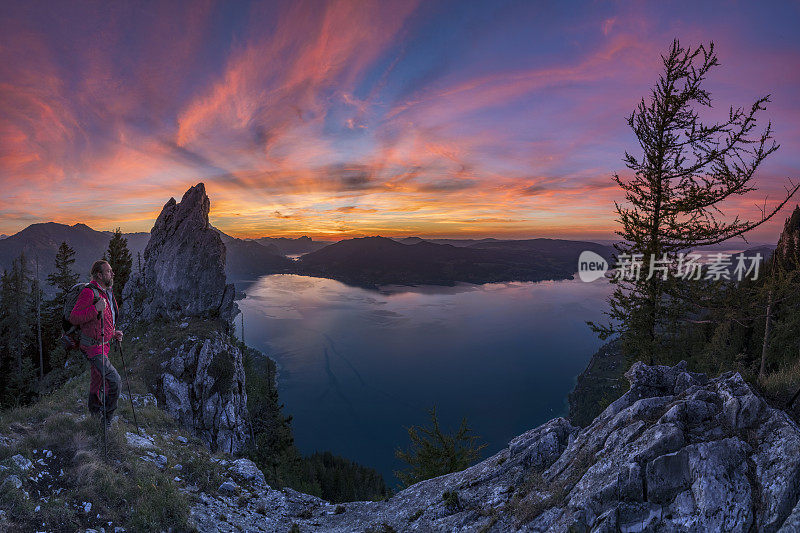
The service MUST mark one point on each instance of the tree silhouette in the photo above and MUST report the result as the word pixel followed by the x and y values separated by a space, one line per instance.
pixel 119 257
pixel 686 169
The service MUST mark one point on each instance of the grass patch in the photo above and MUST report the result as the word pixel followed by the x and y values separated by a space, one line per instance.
pixel 150 418
pixel 199 469
pixel 122 490
pixel 158 504
pixel 780 386
pixel 450 499
pixel 536 495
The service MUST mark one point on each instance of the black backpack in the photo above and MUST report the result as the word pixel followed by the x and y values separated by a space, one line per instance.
pixel 70 333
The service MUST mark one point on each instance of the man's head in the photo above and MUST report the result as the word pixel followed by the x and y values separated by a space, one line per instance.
pixel 101 271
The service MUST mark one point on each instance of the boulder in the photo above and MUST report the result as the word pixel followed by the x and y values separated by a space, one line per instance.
pixel 247 470
pixel 138 441
pixel 22 462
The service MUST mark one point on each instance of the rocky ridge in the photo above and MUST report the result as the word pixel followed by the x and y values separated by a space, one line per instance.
pixel 677 452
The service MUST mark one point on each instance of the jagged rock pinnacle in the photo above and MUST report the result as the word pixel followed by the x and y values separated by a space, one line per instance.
pixel 184 265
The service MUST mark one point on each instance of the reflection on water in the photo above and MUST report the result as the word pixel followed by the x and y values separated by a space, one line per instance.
pixel 357 366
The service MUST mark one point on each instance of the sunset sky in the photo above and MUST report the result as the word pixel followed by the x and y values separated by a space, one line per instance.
pixel 338 119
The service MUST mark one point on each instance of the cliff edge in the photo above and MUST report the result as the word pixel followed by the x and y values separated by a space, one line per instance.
pixel 677 452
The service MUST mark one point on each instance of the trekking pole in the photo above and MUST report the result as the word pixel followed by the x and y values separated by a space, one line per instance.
pixel 130 394
pixel 103 372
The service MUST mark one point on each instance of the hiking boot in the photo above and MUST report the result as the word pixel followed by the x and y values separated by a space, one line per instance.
pixel 110 421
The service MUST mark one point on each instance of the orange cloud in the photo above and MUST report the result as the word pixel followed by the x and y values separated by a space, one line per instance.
pixel 294 122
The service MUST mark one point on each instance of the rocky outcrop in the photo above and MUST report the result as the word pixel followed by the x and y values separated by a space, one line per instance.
pixel 677 452
pixel 204 388
pixel 184 266
pixel 183 281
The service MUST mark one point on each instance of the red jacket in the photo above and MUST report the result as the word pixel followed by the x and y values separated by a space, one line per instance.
pixel 85 315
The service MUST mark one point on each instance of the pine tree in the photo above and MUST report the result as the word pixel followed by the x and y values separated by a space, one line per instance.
pixel 6 357
pixel 119 257
pixel 21 317
pixel 17 333
pixel 673 201
pixel 63 278
pixel 435 453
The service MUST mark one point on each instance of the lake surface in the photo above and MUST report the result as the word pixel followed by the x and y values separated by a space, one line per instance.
pixel 357 366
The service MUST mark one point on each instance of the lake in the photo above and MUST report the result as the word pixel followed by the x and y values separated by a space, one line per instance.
pixel 357 366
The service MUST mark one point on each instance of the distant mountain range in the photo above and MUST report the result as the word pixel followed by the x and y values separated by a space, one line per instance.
pixel 245 259
pixel 452 242
pixel 287 246
pixel 41 241
pixel 366 262
pixel 374 261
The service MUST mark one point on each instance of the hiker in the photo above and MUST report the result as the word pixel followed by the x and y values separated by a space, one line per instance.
pixel 96 300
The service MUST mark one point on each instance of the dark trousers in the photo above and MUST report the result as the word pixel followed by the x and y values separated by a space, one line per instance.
pixel 112 386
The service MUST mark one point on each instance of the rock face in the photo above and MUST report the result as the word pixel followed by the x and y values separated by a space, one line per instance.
pixel 184 266
pixel 677 452
pixel 204 388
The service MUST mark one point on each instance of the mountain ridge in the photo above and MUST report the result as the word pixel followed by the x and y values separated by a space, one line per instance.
pixel 374 261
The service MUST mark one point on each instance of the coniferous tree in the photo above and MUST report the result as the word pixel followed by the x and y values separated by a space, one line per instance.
pixel 21 319
pixel 673 201
pixel 17 331
pixel 119 257
pixel 62 280
pixel 434 453
pixel 6 357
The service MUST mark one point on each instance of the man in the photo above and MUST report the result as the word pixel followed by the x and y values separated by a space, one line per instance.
pixel 90 314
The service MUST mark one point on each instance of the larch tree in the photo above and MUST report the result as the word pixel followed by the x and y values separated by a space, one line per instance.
pixel 673 200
